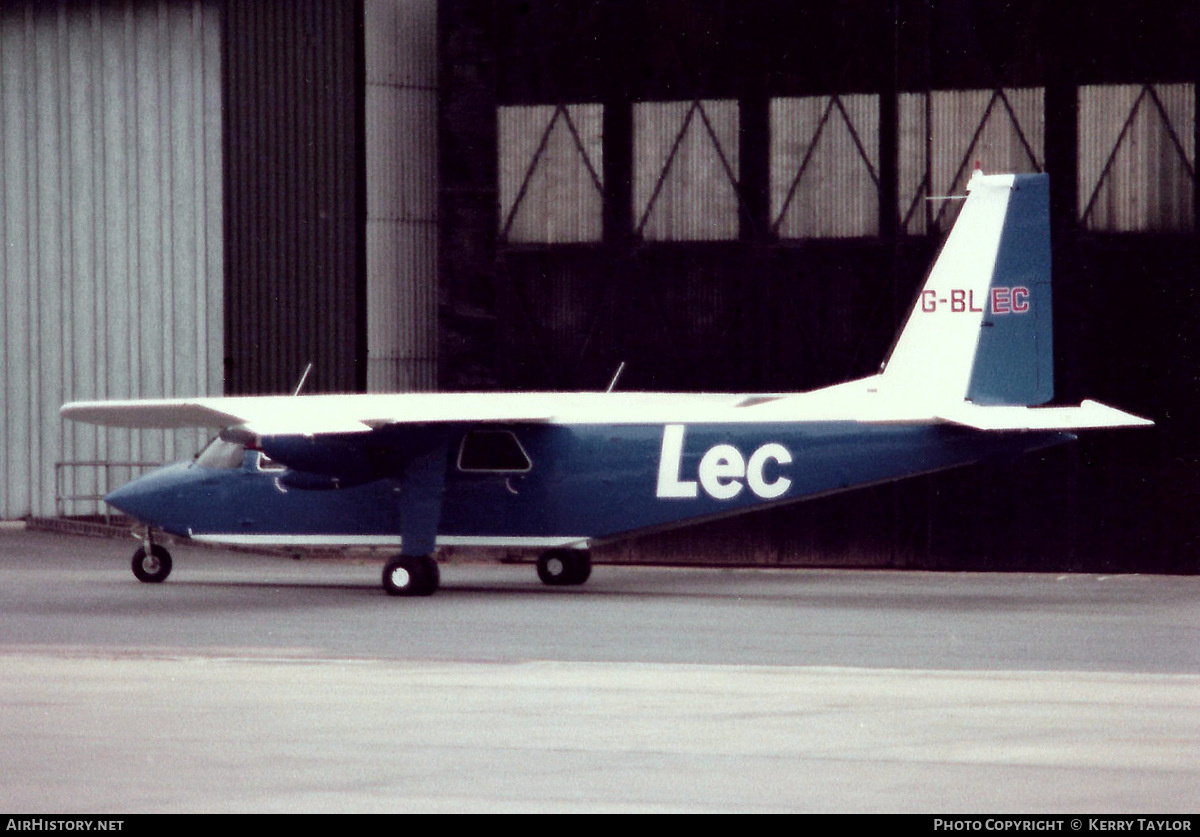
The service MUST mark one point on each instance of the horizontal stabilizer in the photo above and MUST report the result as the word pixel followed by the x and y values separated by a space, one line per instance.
pixel 1090 415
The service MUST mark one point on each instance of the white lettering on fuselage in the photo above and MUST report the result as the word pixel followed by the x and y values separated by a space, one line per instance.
pixel 722 470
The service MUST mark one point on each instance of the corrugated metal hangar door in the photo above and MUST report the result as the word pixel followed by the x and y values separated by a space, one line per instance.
pixel 111 275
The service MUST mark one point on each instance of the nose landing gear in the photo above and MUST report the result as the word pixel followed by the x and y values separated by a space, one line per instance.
pixel 151 563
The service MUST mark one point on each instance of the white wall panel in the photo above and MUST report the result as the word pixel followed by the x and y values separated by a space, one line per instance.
pixel 402 313
pixel 551 160
pixel 111 264
pixel 1002 130
pixel 401 116
pixel 685 170
pixel 824 166
pixel 945 133
pixel 1137 157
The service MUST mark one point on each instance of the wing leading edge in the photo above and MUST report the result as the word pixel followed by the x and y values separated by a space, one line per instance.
pixel 306 415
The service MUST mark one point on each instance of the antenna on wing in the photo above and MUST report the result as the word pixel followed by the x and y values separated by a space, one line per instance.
pixel 303 378
pixel 613 383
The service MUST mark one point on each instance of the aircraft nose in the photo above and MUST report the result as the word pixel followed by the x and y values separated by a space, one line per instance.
pixel 130 499
pixel 146 498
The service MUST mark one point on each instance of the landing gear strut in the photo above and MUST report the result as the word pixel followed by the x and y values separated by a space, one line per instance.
pixel 152 563
pixel 561 567
pixel 411 575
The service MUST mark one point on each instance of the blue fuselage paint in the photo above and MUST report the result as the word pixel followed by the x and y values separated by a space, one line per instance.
pixel 586 481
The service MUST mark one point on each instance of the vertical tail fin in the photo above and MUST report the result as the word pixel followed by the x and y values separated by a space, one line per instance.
pixel 981 328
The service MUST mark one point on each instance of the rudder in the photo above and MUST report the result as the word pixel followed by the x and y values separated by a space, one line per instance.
pixel 1014 360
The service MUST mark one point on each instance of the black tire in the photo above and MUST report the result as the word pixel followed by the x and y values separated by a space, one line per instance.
pixel 562 567
pixel 411 575
pixel 583 566
pixel 152 568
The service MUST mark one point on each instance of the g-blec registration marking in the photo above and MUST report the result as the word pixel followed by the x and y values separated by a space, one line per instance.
pixel 1002 300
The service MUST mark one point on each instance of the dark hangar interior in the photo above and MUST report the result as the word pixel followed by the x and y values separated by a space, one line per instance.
pixel 625 182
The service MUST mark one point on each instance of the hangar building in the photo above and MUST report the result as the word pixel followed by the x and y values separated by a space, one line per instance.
pixel 498 194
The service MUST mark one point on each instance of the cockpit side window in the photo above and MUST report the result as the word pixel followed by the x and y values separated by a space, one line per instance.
pixel 266 463
pixel 492 451
pixel 218 453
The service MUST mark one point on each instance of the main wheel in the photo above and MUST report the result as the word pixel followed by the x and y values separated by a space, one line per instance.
pixel 152 567
pixel 583 566
pixel 561 567
pixel 411 575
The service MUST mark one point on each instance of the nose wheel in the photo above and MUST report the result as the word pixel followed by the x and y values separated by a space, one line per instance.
pixel 562 567
pixel 152 565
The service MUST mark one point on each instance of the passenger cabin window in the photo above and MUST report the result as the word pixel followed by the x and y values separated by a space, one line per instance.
pixel 221 454
pixel 492 451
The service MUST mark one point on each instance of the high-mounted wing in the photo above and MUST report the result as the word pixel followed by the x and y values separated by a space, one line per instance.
pixel 166 414
pixel 310 415
pixel 306 415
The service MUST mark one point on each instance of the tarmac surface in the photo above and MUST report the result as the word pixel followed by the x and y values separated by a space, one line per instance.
pixel 261 684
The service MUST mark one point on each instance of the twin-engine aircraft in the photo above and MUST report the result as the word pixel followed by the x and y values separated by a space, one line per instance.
pixel 561 471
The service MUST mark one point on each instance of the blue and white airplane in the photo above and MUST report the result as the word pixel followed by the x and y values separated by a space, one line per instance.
pixel 561 471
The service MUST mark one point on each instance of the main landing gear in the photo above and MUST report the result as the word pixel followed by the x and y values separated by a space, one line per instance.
pixel 561 567
pixel 411 575
pixel 418 575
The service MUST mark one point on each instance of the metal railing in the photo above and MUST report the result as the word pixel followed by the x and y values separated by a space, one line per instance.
pixel 68 476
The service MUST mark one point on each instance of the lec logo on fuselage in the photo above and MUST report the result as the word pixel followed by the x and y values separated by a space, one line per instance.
pixel 723 471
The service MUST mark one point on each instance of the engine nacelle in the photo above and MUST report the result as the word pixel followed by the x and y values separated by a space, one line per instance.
pixel 350 459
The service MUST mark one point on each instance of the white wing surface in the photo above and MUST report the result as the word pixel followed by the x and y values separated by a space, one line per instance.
pixel 321 414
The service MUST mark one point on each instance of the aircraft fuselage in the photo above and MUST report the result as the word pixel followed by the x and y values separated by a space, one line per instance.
pixel 545 485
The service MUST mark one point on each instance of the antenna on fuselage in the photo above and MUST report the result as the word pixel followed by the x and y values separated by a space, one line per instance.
pixel 303 378
pixel 613 383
